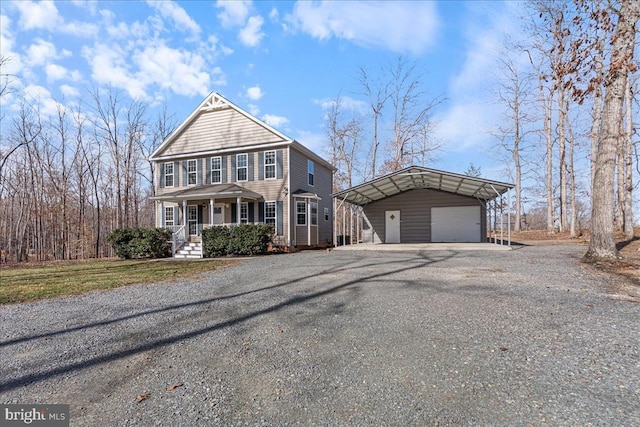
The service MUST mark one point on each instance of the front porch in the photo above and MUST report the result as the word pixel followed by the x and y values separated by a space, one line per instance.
pixel 187 212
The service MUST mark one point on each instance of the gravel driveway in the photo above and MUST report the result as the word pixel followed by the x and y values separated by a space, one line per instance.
pixel 524 337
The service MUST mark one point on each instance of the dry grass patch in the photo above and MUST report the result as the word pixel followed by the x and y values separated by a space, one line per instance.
pixel 36 282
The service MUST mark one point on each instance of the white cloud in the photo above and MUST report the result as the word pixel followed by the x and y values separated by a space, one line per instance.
pixel 254 110
pixel 69 91
pixel 234 12
pixel 44 15
pixel 254 93
pixel 347 104
pixel 275 121
pixel 274 15
pixel 251 34
pixel 179 17
pixel 110 65
pixel 393 25
pixel 38 15
pixel 55 72
pixel 40 53
pixel 316 142
pixel 42 97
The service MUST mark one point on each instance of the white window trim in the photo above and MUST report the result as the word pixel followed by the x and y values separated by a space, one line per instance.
pixel 275 214
pixel 169 210
pixel 245 219
pixel 311 206
pixel 303 204
pixel 216 169
pixel 275 173
pixel 190 173
pixel 246 167
pixel 311 172
pixel 172 174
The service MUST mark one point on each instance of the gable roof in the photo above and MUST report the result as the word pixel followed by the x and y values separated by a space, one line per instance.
pixel 216 102
pixel 418 177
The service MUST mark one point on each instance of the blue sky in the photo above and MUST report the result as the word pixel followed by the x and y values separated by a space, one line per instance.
pixel 281 61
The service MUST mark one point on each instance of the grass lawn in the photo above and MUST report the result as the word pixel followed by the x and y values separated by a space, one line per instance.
pixel 30 283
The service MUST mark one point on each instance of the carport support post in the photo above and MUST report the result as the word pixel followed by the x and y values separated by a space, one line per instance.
pixel 509 218
pixel 351 224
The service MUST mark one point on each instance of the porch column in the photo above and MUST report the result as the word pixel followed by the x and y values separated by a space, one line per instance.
pixel 211 202
pixel 238 200
pixel 159 215
pixel 185 217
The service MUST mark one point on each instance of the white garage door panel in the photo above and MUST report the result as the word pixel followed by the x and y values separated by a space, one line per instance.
pixel 455 224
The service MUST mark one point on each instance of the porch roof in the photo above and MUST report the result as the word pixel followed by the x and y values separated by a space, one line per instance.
pixel 217 191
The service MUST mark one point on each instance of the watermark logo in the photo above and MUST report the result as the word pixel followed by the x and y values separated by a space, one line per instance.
pixel 34 415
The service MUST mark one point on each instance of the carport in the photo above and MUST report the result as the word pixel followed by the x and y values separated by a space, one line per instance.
pixel 423 205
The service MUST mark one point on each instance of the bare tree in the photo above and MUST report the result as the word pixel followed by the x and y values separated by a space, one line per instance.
pixel 377 94
pixel 602 242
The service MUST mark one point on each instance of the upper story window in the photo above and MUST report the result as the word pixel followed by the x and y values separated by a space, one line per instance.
pixel 241 167
pixel 216 170
pixel 301 213
pixel 269 164
pixel 326 214
pixel 192 172
pixel 168 174
pixel 311 171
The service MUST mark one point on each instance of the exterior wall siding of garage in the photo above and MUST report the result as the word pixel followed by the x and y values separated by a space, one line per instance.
pixel 415 213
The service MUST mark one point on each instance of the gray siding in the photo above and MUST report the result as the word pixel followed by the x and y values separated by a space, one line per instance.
pixel 323 184
pixel 219 129
pixel 415 213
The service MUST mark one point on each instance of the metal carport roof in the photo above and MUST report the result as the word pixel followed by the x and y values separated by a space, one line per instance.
pixel 418 177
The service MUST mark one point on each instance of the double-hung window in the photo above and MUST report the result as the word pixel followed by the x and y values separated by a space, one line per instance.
pixel 311 171
pixel 241 167
pixel 169 220
pixel 244 213
pixel 269 164
pixel 326 214
pixel 216 170
pixel 192 172
pixel 301 213
pixel 270 214
pixel 314 214
pixel 168 174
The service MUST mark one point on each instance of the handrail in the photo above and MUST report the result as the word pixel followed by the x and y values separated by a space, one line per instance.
pixel 177 239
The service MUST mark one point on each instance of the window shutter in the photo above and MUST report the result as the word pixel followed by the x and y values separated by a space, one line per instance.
pixel 176 215
pixel 200 215
pixel 279 164
pixel 260 165
pixel 234 213
pixel 233 169
pixel 224 169
pixel 279 217
pixel 250 166
pixel 176 174
pixel 162 182
pixel 261 212
pixel 184 173
pixel 252 209
pixel 207 176
pixel 199 172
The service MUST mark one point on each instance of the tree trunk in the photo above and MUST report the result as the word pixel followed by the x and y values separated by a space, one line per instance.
pixel 602 243
pixel 628 165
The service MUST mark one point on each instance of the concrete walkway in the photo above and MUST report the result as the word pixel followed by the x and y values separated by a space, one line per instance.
pixel 424 247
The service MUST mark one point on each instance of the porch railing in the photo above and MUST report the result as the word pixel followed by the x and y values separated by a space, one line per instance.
pixel 178 237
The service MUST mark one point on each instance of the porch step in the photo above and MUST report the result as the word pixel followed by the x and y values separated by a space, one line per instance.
pixel 189 250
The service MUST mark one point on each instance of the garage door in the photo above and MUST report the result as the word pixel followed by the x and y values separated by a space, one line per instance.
pixel 455 224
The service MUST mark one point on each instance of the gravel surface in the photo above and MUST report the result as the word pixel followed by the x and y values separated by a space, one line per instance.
pixel 524 337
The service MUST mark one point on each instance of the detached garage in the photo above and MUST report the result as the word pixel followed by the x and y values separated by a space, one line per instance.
pixel 422 205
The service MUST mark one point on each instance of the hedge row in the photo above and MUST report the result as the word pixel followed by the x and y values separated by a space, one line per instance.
pixel 141 242
pixel 243 239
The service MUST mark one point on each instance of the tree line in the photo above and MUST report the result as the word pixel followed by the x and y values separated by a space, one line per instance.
pixel 568 92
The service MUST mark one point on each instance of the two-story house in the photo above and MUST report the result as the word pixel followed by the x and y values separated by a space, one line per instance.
pixel 224 166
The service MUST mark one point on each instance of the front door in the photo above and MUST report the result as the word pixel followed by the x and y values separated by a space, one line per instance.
pixel 218 213
pixel 192 219
pixel 392 226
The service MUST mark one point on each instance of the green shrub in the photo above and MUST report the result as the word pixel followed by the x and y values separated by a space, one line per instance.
pixel 243 239
pixel 215 241
pixel 140 242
